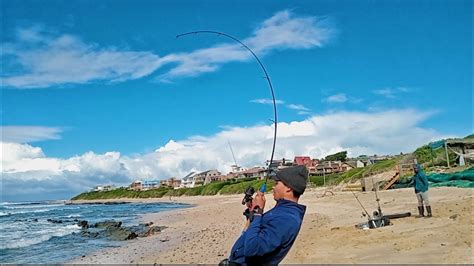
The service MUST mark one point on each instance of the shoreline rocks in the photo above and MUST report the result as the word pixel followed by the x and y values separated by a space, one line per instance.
pixel 114 230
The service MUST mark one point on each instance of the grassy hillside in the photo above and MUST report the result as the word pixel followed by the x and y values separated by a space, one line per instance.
pixel 221 187
pixel 429 158
pixel 470 137
pixel 356 173
pixel 122 193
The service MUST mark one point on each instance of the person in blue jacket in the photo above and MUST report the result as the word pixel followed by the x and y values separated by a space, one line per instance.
pixel 420 183
pixel 269 236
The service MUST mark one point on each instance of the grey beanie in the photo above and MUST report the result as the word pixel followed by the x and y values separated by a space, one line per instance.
pixel 294 177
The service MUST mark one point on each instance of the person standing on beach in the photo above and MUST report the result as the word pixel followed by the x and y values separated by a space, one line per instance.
pixel 269 236
pixel 420 183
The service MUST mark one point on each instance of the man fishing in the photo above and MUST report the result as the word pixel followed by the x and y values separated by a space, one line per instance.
pixel 269 236
pixel 420 183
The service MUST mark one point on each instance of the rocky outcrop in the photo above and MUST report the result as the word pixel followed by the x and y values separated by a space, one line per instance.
pixel 108 224
pixel 115 231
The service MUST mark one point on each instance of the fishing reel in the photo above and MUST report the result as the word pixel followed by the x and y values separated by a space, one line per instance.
pixel 247 200
pixel 248 196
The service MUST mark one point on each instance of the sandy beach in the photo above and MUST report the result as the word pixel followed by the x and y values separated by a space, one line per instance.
pixel 205 233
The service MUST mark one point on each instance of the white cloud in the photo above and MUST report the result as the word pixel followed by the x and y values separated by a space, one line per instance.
pixel 391 92
pixel 48 59
pixel 267 101
pixel 336 98
pixel 12 152
pixel 28 134
pixel 282 31
pixel 298 107
pixel 383 132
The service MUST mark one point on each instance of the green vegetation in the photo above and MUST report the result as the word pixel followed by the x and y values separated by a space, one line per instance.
pixel 340 156
pixel 122 193
pixel 464 179
pixel 220 187
pixel 429 157
pixel 356 173
pixel 469 136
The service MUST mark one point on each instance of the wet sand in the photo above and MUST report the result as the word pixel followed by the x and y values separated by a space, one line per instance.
pixel 205 233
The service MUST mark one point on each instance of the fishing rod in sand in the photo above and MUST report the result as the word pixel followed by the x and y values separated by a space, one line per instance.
pixel 376 188
pixel 371 221
pixel 263 188
pixel 366 212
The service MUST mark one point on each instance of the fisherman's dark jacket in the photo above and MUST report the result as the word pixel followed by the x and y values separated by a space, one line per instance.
pixel 420 181
pixel 269 237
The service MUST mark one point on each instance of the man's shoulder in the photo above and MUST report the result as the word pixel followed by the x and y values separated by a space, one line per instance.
pixel 281 214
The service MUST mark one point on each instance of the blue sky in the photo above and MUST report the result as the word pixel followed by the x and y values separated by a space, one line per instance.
pixel 97 92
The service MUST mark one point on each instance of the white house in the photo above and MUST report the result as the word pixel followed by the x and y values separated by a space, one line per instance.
pixel 150 184
pixel 253 172
pixel 103 188
pixel 188 181
pixel 210 176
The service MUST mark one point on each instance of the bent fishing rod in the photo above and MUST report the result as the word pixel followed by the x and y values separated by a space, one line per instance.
pixel 263 188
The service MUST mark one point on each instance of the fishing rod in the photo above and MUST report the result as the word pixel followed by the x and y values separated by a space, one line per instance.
pixel 233 156
pixel 377 197
pixel 263 188
pixel 366 212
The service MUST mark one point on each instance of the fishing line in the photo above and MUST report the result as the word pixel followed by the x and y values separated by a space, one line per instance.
pixel 275 120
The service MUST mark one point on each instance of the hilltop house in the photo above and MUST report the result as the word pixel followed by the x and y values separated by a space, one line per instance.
pixel 308 162
pixel 253 172
pixel 188 180
pixel 231 176
pixel 235 168
pixel 150 184
pixel 103 188
pixel 172 182
pixel 139 185
pixel 279 164
pixel 332 167
pixel 194 179
pixel 136 185
pixel 208 176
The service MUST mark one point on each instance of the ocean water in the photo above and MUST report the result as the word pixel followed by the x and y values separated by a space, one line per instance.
pixel 26 235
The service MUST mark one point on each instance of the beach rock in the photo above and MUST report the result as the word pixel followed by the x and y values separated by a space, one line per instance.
pixel 113 230
pixel 147 224
pixel 144 231
pixel 156 229
pixel 90 234
pixel 115 202
pixel 120 233
pixel 84 224
pixel 54 221
pixel 108 224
